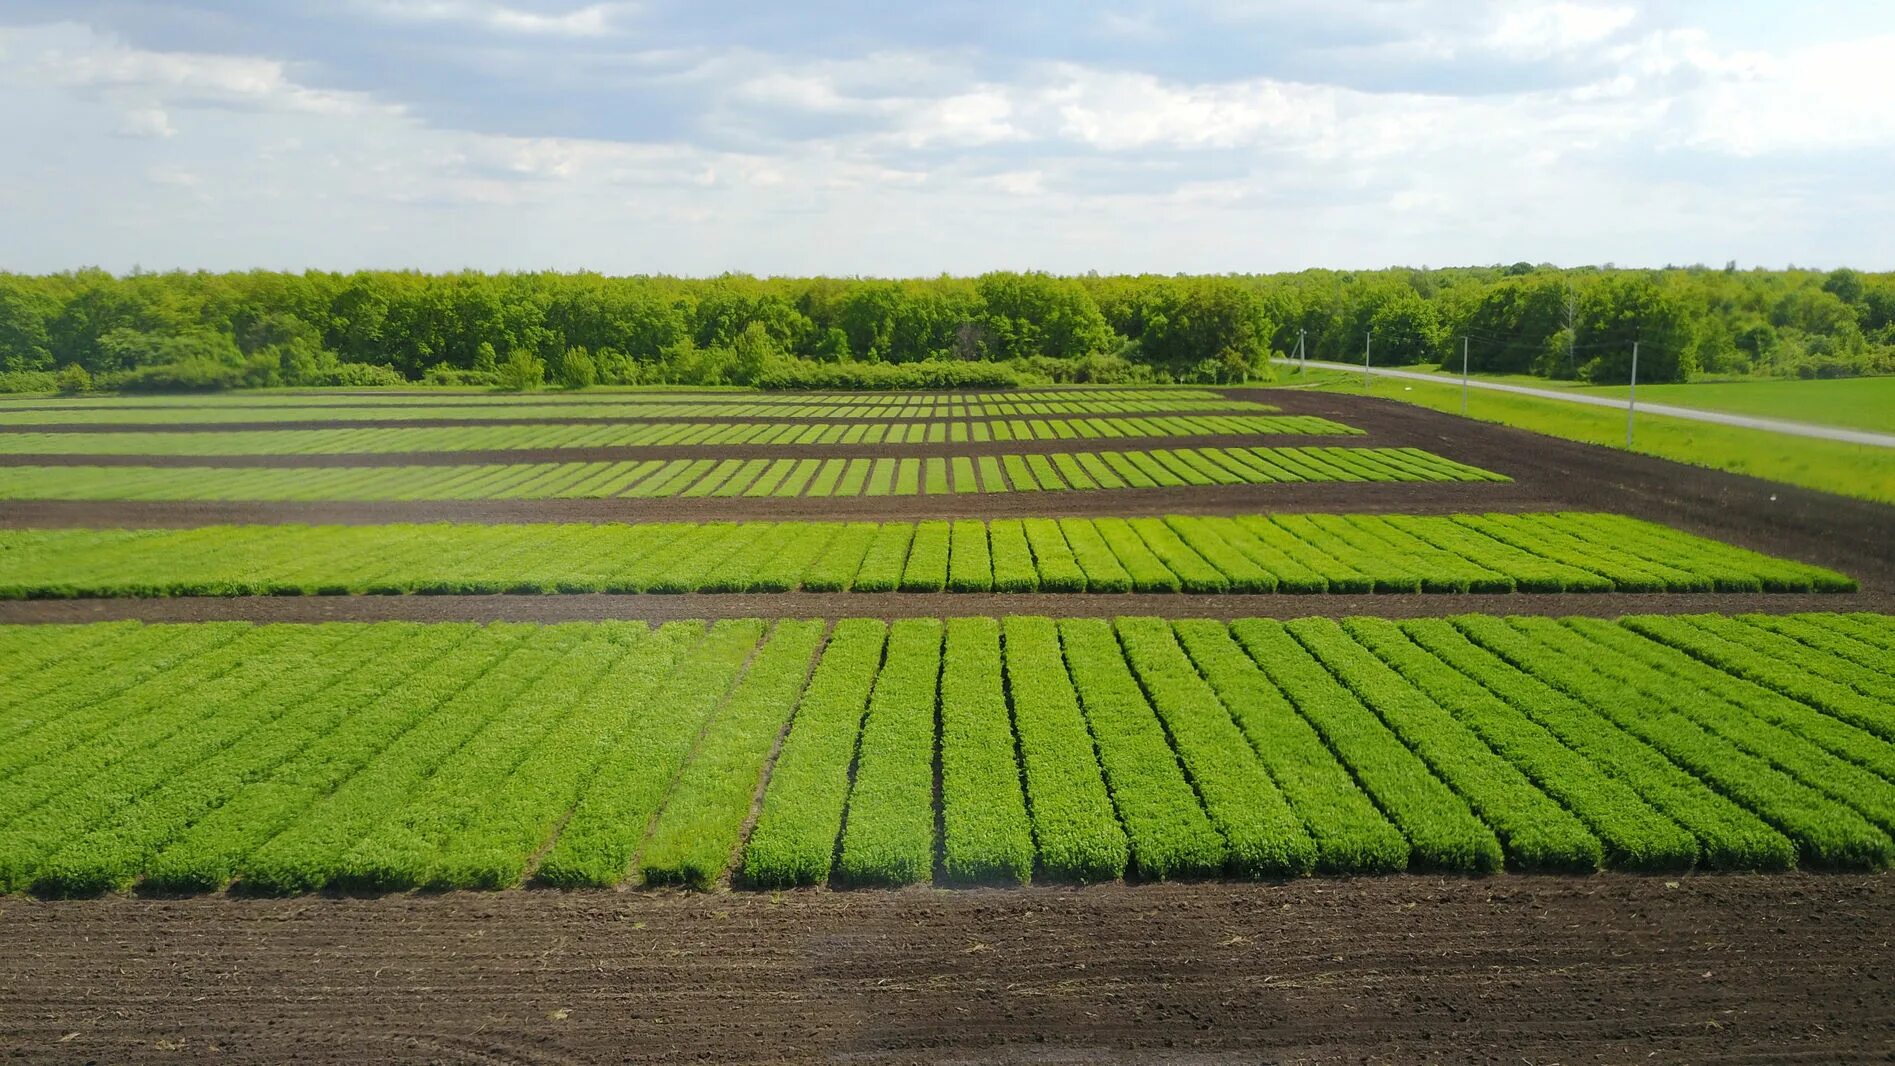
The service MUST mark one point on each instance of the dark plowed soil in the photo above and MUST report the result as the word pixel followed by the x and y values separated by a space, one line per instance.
pixel 695 451
pixel 659 608
pixel 1514 969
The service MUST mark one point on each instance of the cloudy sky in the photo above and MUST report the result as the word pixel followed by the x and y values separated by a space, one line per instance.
pixel 850 137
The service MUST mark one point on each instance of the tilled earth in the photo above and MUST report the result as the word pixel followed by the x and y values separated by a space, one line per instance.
pixel 1510 969
pixel 1516 969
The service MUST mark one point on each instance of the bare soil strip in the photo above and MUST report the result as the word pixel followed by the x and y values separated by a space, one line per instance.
pixel 659 607
pixel 698 451
pixel 1611 968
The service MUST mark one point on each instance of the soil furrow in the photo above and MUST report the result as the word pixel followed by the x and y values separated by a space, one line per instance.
pixel 660 607
pixel 1511 969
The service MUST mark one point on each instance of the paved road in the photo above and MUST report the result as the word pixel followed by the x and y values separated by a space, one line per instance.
pixel 1694 414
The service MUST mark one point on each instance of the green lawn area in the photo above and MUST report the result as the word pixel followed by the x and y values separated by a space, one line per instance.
pixel 1848 469
pixel 1853 403
pixel 1857 403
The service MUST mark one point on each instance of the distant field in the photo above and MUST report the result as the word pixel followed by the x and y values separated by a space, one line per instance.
pixel 382 439
pixel 332 407
pixel 1851 403
pixel 1848 469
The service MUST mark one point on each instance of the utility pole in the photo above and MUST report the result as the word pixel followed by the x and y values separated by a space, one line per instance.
pixel 1302 352
pixel 1572 334
pixel 1631 404
pixel 1463 375
pixel 1366 338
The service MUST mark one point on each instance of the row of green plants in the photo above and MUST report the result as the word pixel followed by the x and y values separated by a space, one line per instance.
pixel 658 434
pixel 1284 553
pixel 754 477
pixel 350 407
pixel 393 756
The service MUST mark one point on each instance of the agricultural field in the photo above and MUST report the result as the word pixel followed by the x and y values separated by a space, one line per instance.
pixel 1286 553
pixel 960 683
pixel 545 436
pixel 362 407
pixel 293 758
pixel 742 476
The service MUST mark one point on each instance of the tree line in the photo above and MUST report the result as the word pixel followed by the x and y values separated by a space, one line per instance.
pixel 519 330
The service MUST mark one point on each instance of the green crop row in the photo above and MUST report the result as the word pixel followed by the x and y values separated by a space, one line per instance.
pixel 289 758
pixel 691 478
pixel 107 412
pixel 319 398
pixel 505 436
pixel 1248 554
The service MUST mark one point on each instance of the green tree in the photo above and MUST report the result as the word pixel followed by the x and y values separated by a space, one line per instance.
pixel 1039 314
pixel 1620 309
pixel 1405 331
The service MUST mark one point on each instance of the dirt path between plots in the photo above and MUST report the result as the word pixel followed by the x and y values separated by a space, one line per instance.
pixel 1399 969
pixel 663 608
pixel 621 453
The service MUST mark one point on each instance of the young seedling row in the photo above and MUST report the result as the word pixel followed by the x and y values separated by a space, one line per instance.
pixel 286 408
pixel 759 476
pixel 390 756
pixel 384 440
pixel 1314 553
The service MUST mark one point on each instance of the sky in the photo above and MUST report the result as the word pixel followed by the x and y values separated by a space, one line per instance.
pixel 878 139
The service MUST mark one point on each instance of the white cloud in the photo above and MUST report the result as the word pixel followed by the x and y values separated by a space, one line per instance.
pixel 593 20
pixel 915 161
pixel 72 57
pixel 1118 111
pixel 146 122
pixel 1537 30
pixel 1824 97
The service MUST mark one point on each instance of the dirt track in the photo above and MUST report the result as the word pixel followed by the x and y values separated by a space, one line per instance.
pixel 659 607
pixel 1512 969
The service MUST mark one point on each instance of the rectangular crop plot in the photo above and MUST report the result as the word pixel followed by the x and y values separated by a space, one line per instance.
pixel 1254 554
pixel 504 436
pixel 603 408
pixel 724 476
pixel 290 758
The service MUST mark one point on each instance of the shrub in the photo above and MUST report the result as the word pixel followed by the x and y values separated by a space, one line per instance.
pixel 74 379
